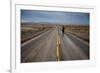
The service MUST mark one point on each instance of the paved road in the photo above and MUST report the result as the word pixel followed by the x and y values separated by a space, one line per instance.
pixel 73 48
pixel 44 47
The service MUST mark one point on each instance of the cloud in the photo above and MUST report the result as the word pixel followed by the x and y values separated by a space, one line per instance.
pixel 55 17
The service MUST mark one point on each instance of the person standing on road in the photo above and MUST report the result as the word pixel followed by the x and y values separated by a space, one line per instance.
pixel 63 30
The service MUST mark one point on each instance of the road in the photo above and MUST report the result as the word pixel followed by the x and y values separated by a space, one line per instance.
pixel 44 47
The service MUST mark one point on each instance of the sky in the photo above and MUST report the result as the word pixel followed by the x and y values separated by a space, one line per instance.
pixel 55 17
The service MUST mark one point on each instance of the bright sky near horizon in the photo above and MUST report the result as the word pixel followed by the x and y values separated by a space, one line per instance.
pixel 56 17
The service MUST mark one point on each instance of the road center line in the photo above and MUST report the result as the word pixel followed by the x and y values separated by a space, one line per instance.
pixel 58 47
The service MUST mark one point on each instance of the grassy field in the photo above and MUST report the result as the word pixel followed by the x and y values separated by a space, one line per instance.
pixel 30 30
pixel 81 31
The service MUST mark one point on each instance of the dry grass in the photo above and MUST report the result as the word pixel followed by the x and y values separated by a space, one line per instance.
pixel 79 30
pixel 29 30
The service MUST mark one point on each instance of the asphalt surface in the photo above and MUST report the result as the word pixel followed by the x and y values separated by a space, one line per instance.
pixel 43 48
